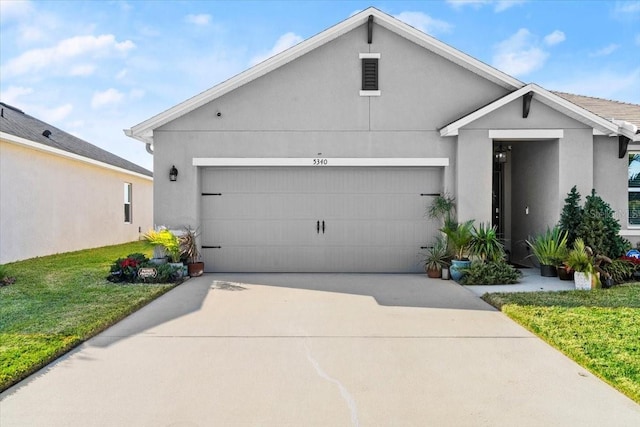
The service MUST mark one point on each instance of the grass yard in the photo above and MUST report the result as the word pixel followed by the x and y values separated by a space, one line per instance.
pixel 599 329
pixel 59 301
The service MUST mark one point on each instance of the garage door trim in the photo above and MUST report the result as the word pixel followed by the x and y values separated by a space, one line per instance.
pixel 321 161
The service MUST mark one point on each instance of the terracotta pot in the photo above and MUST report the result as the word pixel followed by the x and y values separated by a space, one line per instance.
pixel 434 273
pixel 564 273
pixel 195 269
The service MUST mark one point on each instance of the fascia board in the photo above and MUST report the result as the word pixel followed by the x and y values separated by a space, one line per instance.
pixel 554 101
pixel 61 153
pixel 454 55
pixel 453 128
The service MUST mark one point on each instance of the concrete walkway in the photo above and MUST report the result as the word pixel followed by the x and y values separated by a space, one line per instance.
pixel 316 350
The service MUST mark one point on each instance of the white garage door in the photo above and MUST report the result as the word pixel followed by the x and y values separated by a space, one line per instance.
pixel 305 219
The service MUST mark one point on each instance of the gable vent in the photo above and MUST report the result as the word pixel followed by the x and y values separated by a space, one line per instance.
pixel 369 74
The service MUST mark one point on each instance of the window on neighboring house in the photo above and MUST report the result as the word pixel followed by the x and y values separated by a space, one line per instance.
pixel 127 202
pixel 634 189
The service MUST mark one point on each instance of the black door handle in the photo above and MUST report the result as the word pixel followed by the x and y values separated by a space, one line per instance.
pixel 322 226
pixel 318 227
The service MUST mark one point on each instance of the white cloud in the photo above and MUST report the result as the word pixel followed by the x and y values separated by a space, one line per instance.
pixel 283 43
pixel 82 70
pixel 607 50
pixel 621 86
pixel 15 9
pixel 459 4
pixel 520 54
pixel 136 94
pixel 13 93
pixel 105 98
pixel 52 115
pixel 498 6
pixel 201 19
pixel 122 74
pixel 554 38
pixel 503 5
pixel 424 22
pixel 66 50
pixel 626 8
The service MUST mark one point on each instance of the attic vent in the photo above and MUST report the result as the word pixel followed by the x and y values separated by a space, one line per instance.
pixel 369 74
pixel 46 133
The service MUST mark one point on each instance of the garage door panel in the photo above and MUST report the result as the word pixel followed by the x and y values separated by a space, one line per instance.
pixel 265 219
pixel 261 232
pixel 247 206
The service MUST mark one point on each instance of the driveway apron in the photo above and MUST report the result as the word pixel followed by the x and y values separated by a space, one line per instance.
pixel 315 350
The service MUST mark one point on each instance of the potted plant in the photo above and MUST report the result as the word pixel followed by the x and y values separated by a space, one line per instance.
pixel 550 248
pixel 168 241
pixel 436 258
pixel 458 239
pixel 580 260
pixel 485 244
pixel 189 250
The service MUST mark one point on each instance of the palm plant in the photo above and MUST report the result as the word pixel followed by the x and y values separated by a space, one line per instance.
pixel 165 239
pixel 549 247
pixel 580 258
pixel 485 243
pixel 458 237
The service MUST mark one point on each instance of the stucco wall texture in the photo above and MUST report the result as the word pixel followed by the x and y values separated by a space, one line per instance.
pixel 50 204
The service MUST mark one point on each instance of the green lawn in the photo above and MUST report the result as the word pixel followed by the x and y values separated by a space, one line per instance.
pixel 599 329
pixel 59 301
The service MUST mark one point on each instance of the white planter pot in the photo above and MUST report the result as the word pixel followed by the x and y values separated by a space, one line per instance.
pixel 582 280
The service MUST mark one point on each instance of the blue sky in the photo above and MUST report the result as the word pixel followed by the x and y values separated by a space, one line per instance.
pixel 93 68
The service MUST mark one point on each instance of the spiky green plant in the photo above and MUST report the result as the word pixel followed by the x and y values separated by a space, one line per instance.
pixel 549 247
pixel 485 243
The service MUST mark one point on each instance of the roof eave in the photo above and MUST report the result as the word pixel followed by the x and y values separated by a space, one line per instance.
pixel 554 101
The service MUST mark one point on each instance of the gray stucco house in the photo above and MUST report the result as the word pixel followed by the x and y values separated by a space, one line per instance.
pixel 325 157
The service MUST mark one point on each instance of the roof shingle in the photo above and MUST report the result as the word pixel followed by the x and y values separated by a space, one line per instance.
pixel 17 123
pixel 605 108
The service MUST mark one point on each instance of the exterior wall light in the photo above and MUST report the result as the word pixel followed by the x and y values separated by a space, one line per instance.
pixel 173 173
pixel 500 155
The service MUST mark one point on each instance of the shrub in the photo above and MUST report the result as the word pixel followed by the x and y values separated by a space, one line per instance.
pixel 571 216
pixel 5 278
pixel 599 229
pixel 125 270
pixel 621 270
pixel 490 273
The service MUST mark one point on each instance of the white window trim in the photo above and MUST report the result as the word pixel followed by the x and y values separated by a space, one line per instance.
pixel 370 93
pixel 322 161
pixel 369 56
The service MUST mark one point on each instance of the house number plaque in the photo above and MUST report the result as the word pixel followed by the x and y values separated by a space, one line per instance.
pixel 320 162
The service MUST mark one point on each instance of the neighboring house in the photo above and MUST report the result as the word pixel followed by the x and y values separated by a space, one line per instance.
pixel 59 193
pixel 325 157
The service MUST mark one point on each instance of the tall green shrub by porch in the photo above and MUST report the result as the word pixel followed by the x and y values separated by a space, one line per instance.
pixel 571 216
pixel 599 228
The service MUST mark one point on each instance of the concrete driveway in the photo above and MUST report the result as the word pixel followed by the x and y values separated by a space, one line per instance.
pixel 316 350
